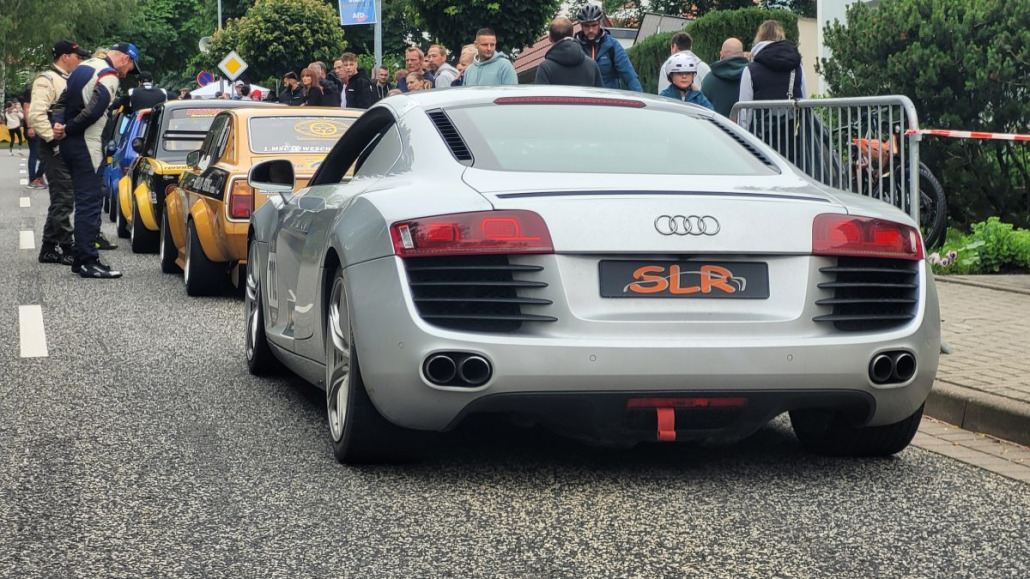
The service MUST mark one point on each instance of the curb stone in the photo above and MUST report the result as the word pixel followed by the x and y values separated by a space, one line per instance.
pixel 979 411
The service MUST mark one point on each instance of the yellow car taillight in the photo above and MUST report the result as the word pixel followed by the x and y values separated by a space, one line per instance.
pixel 241 200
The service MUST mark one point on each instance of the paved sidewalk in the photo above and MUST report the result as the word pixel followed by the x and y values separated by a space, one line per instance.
pixel 984 384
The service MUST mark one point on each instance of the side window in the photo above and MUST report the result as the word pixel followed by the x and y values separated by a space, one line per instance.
pixel 214 142
pixel 380 155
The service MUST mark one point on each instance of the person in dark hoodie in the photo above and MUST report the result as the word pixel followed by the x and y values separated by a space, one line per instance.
pixel 775 73
pixel 357 87
pixel 616 69
pixel 722 84
pixel 565 62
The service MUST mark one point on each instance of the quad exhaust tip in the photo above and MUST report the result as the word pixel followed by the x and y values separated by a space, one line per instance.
pixel 892 367
pixel 462 369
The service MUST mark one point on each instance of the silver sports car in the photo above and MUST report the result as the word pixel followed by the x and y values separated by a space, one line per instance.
pixel 616 266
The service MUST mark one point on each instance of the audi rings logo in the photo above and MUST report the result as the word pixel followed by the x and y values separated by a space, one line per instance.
pixel 687 225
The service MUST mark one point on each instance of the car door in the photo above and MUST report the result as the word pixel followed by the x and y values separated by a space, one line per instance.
pixel 205 180
pixel 304 224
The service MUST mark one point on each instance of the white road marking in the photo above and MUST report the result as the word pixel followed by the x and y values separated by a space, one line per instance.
pixel 26 202
pixel 31 332
pixel 23 171
pixel 27 240
pixel 23 181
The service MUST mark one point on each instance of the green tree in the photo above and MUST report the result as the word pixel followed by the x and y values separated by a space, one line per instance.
pixel 518 23
pixel 276 36
pixel 166 40
pixel 964 65
pixel 28 29
pixel 697 8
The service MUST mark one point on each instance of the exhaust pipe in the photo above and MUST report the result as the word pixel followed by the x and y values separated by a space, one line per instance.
pixel 881 368
pixel 440 369
pixel 904 366
pixel 474 370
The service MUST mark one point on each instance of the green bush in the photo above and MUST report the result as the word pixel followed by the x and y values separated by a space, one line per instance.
pixel 708 32
pixel 712 29
pixel 964 65
pixel 990 247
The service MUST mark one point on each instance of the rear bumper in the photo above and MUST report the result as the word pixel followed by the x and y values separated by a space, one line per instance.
pixel 393 342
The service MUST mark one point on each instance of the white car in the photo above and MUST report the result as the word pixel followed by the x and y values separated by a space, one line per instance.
pixel 498 250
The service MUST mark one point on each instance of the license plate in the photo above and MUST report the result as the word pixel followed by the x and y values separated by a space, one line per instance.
pixel 684 279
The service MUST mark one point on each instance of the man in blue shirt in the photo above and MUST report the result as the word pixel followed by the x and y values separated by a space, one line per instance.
pixel 616 69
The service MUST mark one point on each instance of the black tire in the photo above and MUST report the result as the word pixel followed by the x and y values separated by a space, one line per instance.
pixel 933 208
pixel 122 224
pixel 167 249
pixel 201 276
pixel 141 239
pixel 260 359
pixel 358 432
pixel 112 206
pixel 829 433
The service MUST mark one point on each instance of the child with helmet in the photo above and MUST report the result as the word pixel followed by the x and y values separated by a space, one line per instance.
pixel 681 69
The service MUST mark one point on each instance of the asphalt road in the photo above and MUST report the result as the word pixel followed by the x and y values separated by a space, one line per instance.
pixel 139 446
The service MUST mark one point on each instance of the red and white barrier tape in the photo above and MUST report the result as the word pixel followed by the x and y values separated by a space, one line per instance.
pixel 968 134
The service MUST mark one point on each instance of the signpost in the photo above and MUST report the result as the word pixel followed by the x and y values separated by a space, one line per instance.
pixel 205 78
pixel 232 65
pixel 365 12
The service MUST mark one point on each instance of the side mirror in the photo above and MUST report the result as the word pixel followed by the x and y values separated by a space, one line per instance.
pixel 274 176
pixel 137 145
pixel 193 158
pixel 112 147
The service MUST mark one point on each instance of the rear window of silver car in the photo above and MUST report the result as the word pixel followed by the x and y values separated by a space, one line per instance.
pixel 296 134
pixel 600 139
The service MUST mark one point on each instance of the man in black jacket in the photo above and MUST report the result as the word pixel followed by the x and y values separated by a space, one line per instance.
pixel 292 93
pixel 357 87
pixel 565 62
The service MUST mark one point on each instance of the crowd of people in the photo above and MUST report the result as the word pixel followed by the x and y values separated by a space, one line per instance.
pixel 63 114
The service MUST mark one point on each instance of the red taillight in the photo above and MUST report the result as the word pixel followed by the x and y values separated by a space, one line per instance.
pixel 511 231
pixel 834 234
pixel 241 200
pixel 686 402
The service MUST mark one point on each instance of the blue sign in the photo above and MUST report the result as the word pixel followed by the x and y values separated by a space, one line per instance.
pixel 357 12
pixel 205 78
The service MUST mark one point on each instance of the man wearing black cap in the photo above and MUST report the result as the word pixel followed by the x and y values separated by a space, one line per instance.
pixel 92 87
pixel 144 96
pixel 46 90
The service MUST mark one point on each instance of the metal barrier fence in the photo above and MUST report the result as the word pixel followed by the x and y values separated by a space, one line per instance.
pixel 857 144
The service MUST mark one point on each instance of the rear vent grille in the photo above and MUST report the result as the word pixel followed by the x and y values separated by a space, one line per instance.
pixel 870 294
pixel 474 293
pixel 744 143
pixel 451 136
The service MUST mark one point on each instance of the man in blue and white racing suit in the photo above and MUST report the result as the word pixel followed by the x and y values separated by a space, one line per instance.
pixel 92 87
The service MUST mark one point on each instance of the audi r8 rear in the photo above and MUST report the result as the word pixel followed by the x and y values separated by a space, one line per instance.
pixel 677 281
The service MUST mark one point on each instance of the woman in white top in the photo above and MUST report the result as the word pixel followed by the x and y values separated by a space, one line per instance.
pixel 15 120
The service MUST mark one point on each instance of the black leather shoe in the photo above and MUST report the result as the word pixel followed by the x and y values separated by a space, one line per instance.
pixel 103 244
pixel 51 254
pixel 97 269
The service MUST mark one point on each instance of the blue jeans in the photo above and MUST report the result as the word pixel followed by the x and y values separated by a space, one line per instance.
pixel 35 165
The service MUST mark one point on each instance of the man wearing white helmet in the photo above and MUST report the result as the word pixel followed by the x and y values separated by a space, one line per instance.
pixel 681 69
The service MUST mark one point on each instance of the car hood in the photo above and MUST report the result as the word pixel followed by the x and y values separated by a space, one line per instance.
pixel 768 214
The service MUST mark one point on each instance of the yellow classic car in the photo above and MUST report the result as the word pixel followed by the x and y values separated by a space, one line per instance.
pixel 205 220
pixel 175 128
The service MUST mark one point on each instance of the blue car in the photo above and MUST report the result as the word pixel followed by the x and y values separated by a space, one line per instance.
pixel 121 155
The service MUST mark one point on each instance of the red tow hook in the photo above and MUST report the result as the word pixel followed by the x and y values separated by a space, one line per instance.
pixel 666 424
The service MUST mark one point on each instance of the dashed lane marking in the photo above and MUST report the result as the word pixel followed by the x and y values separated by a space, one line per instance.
pixel 23 181
pixel 26 240
pixel 26 202
pixel 23 171
pixel 31 332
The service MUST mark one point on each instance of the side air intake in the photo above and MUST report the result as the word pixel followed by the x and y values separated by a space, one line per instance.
pixel 451 136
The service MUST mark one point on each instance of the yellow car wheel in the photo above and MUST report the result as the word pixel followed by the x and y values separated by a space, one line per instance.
pixel 201 276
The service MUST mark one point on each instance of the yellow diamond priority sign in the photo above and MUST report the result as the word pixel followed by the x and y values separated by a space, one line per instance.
pixel 232 65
